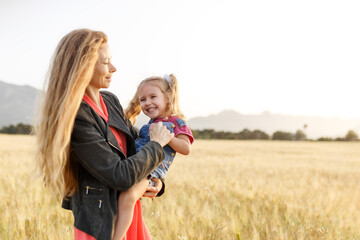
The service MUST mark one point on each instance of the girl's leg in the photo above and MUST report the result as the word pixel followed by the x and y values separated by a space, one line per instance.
pixel 126 203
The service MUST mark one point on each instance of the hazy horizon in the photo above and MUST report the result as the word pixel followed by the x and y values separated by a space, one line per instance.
pixel 232 110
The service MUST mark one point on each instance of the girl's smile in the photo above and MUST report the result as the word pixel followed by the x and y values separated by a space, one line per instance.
pixel 153 101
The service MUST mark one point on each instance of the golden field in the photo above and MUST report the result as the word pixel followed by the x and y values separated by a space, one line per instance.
pixel 223 190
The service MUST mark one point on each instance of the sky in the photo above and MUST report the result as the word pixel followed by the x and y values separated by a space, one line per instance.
pixel 282 56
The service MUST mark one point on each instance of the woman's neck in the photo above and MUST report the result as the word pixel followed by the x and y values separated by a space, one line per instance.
pixel 93 94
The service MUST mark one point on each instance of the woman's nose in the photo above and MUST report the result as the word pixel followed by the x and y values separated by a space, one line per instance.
pixel 112 68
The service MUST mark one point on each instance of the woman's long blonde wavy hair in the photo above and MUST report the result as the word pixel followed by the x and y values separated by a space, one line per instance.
pixel 70 72
pixel 169 88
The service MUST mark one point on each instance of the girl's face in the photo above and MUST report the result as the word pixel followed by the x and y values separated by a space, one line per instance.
pixel 103 69
pixel 153 102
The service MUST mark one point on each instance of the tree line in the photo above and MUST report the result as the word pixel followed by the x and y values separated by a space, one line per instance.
pixel 245 134
pixel 20 128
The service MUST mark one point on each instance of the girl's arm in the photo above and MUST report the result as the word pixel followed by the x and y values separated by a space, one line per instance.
pixel 181 144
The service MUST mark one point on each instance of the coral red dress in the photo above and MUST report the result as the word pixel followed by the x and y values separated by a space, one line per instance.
pixel 138 229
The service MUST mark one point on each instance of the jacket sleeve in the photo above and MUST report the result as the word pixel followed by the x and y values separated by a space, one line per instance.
pixel 91 149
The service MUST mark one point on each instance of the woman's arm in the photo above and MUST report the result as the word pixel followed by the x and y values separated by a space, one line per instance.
pixel 157 190
pixel 93 152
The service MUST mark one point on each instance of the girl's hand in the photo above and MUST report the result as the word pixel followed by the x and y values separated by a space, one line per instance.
pixel 151 192
pixel 160 134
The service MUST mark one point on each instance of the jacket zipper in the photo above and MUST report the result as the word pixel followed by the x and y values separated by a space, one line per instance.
pixel 91 188
pixel 115 147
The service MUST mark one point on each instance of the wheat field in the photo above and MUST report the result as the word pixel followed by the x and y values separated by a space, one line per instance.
pixel 223 190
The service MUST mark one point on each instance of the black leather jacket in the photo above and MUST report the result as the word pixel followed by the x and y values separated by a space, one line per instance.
pixel 103 170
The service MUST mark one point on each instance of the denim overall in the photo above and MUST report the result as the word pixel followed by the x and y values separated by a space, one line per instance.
pixel 144 137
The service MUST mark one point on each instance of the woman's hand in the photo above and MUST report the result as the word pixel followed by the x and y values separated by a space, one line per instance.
pixel 151 192
pixel 160 134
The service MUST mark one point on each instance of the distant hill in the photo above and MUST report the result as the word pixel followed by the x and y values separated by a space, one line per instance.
pixel 17 103
pixel 233 121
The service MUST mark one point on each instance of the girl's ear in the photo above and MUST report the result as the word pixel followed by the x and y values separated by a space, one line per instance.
pixel 168 96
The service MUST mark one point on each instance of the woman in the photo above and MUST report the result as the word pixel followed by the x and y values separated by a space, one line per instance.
pixel 86 148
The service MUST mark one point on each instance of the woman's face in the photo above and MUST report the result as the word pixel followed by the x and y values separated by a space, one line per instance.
pixel 103 69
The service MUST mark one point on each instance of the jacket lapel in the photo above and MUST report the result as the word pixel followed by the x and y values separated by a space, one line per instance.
pixel 116 119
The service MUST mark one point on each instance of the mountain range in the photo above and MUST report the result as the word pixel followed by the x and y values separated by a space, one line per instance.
pixel 313 126
pixel 17 105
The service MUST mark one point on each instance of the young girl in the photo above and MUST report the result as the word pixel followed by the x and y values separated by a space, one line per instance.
pixel 157 97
